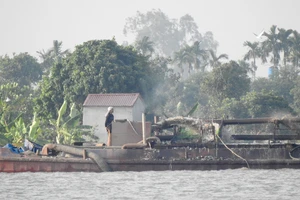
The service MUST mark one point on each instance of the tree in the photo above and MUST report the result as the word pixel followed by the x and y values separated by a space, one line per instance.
pixel 179 59
pixel 97 66
pixel 46 59
pixel 230 80
pixel 18 101
pixel 285 42
pixel 295 92
pixel 280 85
pixel 157 26
pixel 166 87
pixel 294 55
pixel 21 68
pixel 233 108
pixel 194 56
pixel 169 35
pixel 255 105
pixel 52 55
pixel 57 53
pixel 192 92
pixel 188 29
pixel 253 53
pixel 199 56
pixel 272 45
pixel 145 46
pixel 265 104
pixel 13 128
pixel 215 60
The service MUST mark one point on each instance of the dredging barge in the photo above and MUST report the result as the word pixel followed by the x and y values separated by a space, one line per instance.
pixel 262 143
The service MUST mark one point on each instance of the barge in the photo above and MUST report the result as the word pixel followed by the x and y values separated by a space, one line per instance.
pixel 263 143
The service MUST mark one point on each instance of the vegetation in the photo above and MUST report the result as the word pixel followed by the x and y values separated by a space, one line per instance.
pixel 171 64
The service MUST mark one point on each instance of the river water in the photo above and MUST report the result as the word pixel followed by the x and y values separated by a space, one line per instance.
pixel 223 184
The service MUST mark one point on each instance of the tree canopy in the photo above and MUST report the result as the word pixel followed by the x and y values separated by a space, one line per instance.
pixel 21 68
pixel 97 66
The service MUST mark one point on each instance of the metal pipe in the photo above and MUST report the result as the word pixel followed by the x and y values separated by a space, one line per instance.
pixel 102 164
pixel 143 127
pixel 256 121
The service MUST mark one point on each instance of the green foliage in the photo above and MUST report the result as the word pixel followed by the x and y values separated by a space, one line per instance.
pixel 21 68
pixel 281 86
pixel 67 127
pixel 230 80
pixel 195 107
pixel 295 92
pixel 18 100
pixel 98 66
pixel 53 55
pixel 186 133
pixel 16 132
pixel 145 46
pixel 255 104
pixel 233 108
pixel 34 129
pixel 265 104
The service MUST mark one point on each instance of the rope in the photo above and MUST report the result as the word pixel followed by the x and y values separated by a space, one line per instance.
pixel 233 151
pixel 132 127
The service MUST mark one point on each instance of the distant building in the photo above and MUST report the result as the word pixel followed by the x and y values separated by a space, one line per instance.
pixel 127 107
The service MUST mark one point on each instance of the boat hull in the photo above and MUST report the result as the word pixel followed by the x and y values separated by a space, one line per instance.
pixel 259 156
pixel 12 165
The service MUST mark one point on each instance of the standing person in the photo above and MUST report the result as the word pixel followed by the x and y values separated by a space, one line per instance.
pixel 109 118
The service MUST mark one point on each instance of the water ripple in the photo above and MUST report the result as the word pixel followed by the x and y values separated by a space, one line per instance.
pixel 222 184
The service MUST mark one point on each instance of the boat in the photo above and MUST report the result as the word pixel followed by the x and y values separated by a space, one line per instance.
pixel 260 143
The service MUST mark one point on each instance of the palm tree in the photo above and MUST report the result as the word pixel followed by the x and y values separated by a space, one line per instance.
pixel 215 60
pixel 57 52
pixel 179 59
pixel 253 53
pixel 198 55
pixel 54 54
pixel 193 56
pixel 272 45
pixel 285 43
pixel 145 46
pixel 183 57
pixel 294 55
pixel 46 59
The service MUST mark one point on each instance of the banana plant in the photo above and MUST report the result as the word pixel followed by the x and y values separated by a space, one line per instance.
pixel 195 107
pixel 17 132
pixel 34 129
pixel 11 131
pixel 68 127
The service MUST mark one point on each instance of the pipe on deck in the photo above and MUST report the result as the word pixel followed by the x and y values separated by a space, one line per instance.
pixel 102 164
pixel 266 137
pixel 257 121
pixel 134 146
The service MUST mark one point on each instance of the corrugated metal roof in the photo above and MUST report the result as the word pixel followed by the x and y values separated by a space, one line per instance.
pixel 111 99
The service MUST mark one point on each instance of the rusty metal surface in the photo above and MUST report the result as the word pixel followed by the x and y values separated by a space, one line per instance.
pixel 143 165
pixel 176 158
pixel 39 164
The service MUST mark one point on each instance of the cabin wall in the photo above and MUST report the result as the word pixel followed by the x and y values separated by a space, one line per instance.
pixel 95 116
pixel 137 110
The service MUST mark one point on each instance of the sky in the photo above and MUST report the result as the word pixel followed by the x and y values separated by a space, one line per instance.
pixel 32 25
